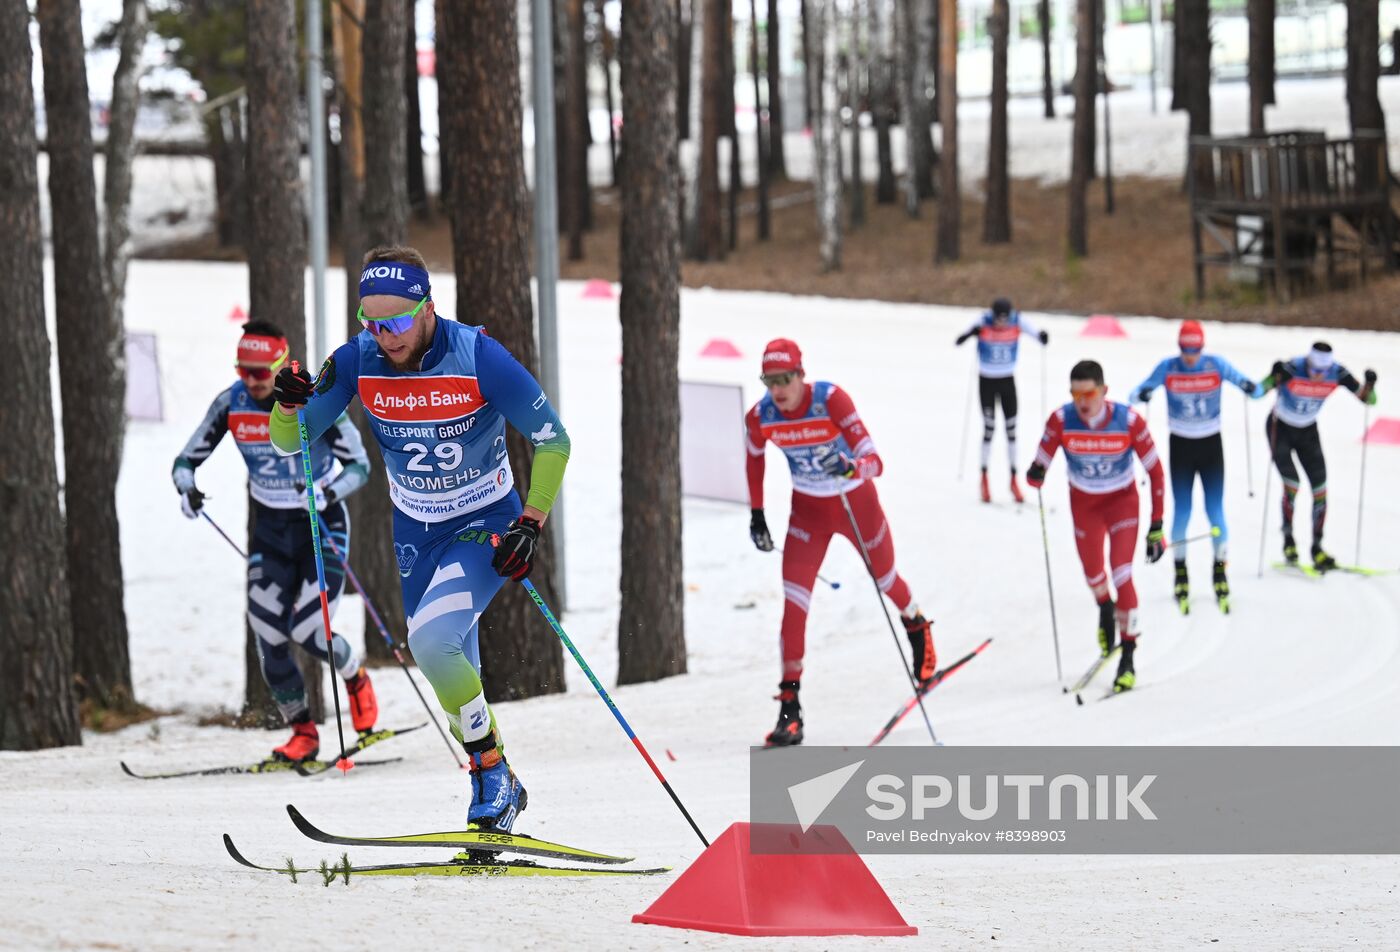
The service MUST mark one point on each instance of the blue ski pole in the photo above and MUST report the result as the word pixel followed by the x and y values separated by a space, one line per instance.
pixel 627 728
pixel 343 763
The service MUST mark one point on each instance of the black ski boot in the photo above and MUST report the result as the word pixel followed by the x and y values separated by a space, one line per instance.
pixel 1321 560
pixel 920 632
pixel 1182 589
pixel 1127 677
pixel 788 733
pixel 1107 627
pixel 1222 587
pixel 1290 549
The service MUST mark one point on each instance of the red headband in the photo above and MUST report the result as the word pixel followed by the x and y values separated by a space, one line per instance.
pixel 260 350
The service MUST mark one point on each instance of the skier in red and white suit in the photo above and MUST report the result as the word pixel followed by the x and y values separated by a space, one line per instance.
pixel 830 454
pixel 1099 438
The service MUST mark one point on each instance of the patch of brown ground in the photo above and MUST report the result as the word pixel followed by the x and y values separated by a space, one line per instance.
pixel 1139 260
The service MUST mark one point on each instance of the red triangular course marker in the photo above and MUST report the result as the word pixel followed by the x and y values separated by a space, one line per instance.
pixel 719 347
pixel 598 289
pixel 238 314
pixel 1102 325
pixel 819 887
pixel 1385 431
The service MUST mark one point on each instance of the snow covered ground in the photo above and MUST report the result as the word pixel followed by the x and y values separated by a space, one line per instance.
pixel 92 859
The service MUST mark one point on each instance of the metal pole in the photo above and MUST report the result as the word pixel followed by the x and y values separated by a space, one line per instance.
pixel 316 139
pixel 547 237
pixel 1154 17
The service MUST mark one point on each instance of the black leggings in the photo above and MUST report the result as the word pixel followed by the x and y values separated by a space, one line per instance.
pixel 1285 441
pixel 992 389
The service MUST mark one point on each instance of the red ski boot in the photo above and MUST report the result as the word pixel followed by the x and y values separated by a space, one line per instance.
pixel 986 488
pixel 1016 489
pixel 364 706
pixel 305 743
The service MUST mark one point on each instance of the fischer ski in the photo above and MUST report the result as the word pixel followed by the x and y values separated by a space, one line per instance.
pixel 1078 687
pixel 306 768
pixel 1299 567
pixel 464 864
pixel 474 841
pixel 934 682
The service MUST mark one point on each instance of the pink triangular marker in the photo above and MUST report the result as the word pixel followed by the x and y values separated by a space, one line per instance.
pixel 1102 325
pixel 818 887
pixel 1385 431
pixel 597 288
pixel 238 314
pixel 719 347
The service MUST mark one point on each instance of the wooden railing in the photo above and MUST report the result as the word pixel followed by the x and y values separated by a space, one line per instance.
pixel 1289 171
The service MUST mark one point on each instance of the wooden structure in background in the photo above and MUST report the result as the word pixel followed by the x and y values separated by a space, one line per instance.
pixel 1327 199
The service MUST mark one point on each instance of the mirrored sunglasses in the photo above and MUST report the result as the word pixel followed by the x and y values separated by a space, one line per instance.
pixel 394 324
pixel 254 373
pixel 778 379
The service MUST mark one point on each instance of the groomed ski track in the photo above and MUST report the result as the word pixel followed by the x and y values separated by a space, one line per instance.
pixel 90 858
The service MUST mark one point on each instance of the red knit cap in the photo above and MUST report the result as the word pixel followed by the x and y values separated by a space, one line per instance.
pixel 781 355
pixel 1192 337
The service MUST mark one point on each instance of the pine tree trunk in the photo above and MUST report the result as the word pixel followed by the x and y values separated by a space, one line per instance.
pixel 1363 93
pixel 809 49
pixel 996 223
pixel 1047 80
pixel 690 207
pixel 382 220
pixel 479 72
pixel 277 237
pixel 116 176
pixel 224 128
pixel 881 70
pixel 948 246
pixel 827 132
pixel 730 130
pixel 37 704
pixel 1180 80
pixel 1194 17
pixel 413 133
pixel 651 620
pixel 385 109
pixel 685 32
pixel 577 136
pixel 1258 70
pixel 709 235
pixel 777 155
pixel 92 369
pixel 1082 148
pixel 912 103
pixel 606 54
pixel 1270 60
pixel 855 70
pixel 764 131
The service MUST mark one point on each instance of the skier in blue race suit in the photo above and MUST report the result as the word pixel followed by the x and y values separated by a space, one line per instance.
pixel 438 395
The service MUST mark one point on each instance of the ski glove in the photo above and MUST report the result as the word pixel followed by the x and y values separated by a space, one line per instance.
pixel 1370 376
pixel 837 464
pixel 1156 548
pixel 1143 395
pixel 1249 387
pixel 963 337
pixel 1280 373
pixel 515 551
pixel 758 531
pixel 1035 475
pixel 1045 337
pixel 293 387
pixel 191 501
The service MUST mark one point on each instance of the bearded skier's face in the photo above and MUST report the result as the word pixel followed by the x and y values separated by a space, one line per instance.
pixel 404 351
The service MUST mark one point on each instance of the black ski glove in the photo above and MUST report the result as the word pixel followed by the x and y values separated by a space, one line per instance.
pixel 191 501
pixel 758 531
pixel 293 387
pixel 1045 337
pixel 515 551
pixel 1143 395
pixel 1370 377
pixel 1249 387
pixel 963 337
pixel 1156 548
pixel 1035 475
pixel 1280 373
